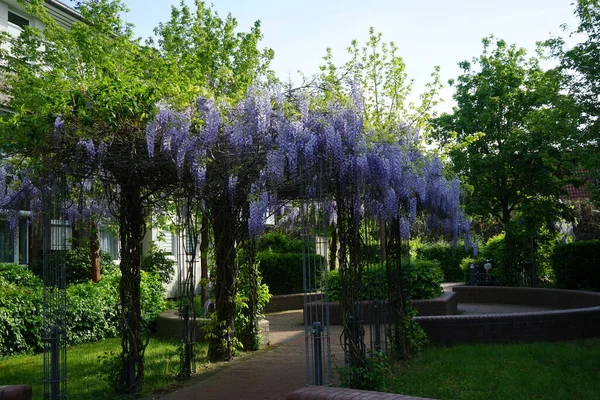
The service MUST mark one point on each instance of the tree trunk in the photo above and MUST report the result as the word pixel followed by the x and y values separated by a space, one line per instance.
pixel 132 228
pixel 95 251
pixel 221 344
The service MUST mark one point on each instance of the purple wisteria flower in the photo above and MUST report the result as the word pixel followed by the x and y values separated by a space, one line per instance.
pixel 404 228
pixel 257 215
pixel 2 182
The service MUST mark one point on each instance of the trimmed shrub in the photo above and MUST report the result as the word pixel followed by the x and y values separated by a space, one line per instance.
pixel 283 273
pixel 449 258
pixel 423 279
pixel 279 242
pixel 577 265
pixel 19 275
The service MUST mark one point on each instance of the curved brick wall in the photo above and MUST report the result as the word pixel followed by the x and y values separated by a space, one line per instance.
pixel 577 316
pixel 444 304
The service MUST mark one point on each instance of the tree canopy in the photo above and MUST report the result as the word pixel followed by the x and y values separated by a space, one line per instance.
pixel 580 65
pixel 511 134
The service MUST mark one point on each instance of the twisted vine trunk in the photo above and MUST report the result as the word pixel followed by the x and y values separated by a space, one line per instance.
pixel 350 266
pixel 204 256
pixel 401 348
pixel 132 229
pixel 222 344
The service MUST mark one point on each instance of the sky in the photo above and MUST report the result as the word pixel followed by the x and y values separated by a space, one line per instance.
pixel 427 32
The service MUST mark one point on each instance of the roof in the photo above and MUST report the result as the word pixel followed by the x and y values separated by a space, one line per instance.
pixel 65 8
pixel 581 192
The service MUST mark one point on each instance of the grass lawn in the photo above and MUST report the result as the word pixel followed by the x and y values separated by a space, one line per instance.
pixel 556 370
pixel 85 379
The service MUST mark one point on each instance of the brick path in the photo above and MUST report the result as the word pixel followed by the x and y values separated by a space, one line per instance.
pixel 270 373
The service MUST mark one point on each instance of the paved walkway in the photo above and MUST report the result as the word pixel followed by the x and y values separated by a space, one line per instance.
pixel 270 373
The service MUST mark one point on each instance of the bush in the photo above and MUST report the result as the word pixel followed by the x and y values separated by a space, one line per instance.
pixel 153 302
pixel 283 272
pixel 449 257
pixel 495 250
pixel 19 275
pixel 157 261
pixel 577 265
pixel 422 277
pixel 91 308
pixel 20 310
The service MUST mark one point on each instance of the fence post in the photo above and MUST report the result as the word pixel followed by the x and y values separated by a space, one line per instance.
pixel 472 275
pixel 317 330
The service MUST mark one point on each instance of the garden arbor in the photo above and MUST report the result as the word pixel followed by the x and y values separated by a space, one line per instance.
pixel 248 157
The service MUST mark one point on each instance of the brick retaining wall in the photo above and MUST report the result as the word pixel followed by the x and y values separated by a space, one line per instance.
pixel 552 298
pixel 285 302
pixel 331 393
pixel 445 304
pixel 566 323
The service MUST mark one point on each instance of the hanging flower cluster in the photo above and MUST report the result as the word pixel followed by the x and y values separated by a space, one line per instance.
pixel 386 180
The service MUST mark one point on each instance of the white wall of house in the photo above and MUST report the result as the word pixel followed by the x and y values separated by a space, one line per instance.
pixel 174 245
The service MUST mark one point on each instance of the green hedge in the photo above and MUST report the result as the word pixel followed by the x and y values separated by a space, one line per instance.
pixel 423 279
pixel 279 242
pixel 91 308
pixel 577 265
pixel 283 273
pixel 449 257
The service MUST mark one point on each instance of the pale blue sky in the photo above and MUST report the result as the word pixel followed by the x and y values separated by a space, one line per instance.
pixel 427 32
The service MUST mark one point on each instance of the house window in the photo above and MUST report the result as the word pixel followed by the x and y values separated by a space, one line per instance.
pixel 14 246
pixel 61 235
pixel 166 242
pixel 23 241
pixel 109 243
pixel 191 242
pixel 17 20
pixel 7 244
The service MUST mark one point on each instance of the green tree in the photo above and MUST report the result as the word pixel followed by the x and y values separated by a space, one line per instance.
pixel 510 138
pixel 204 52
pixel 580 63
pixel 380 72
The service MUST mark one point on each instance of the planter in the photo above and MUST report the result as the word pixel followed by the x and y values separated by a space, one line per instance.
pixel 169 327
